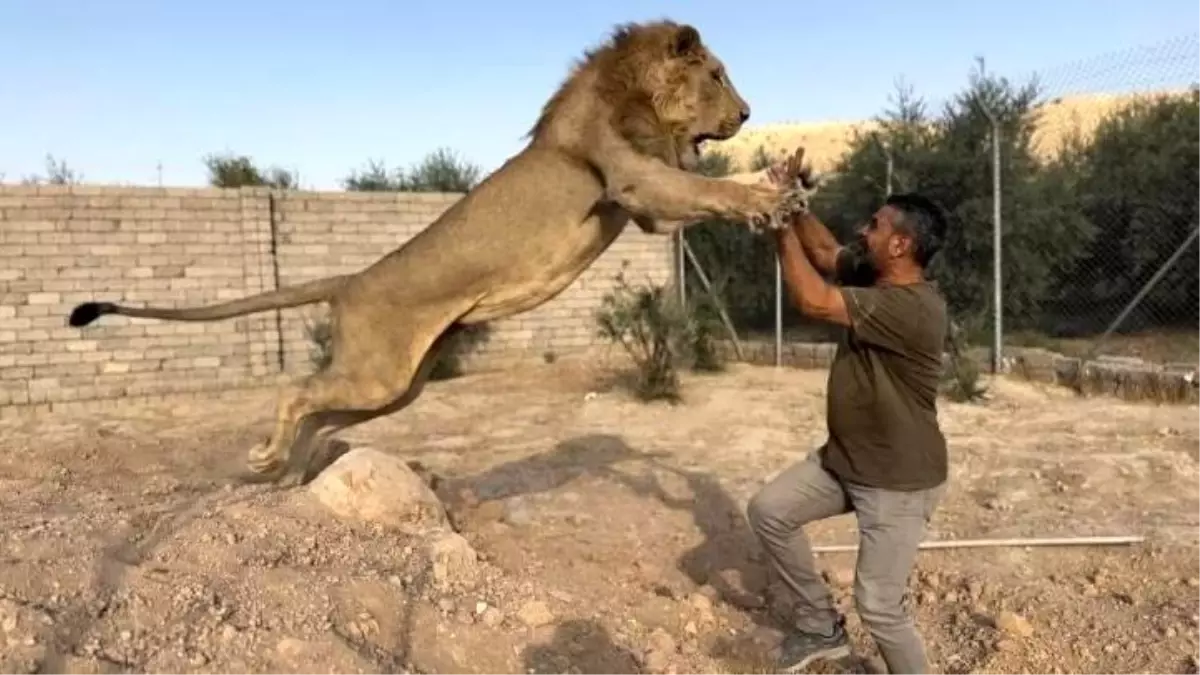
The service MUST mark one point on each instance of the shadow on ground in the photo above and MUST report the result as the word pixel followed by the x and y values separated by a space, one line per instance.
pixel 579 646
pixel 728 558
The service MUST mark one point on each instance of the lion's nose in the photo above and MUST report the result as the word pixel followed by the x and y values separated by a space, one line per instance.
pixel 744 114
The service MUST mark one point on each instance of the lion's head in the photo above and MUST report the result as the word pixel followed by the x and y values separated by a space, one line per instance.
pixel 666 91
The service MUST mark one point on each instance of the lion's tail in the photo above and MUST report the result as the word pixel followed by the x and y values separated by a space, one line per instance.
pixel 292 296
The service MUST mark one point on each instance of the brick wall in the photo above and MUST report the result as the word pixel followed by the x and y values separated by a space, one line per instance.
pixel 61 245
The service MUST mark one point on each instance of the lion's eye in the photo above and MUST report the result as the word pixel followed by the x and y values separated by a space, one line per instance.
pixel 716 75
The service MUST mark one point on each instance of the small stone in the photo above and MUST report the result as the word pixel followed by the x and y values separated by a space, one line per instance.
pixel 950 597
pixel 1169 632
pixel 842 577
pixel 700 602
pixel 516 514
pixel 535 613
pixel 691 628
pixel 447 605
pixel 1193 582
pixel 492 617
pixel 1014 624
pixel 660 649
pixel 1110 648
pixel 480 607
pixel 126 636
pixel 453 560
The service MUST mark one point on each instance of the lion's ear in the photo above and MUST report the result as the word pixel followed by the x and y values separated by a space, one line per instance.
pixel 685 41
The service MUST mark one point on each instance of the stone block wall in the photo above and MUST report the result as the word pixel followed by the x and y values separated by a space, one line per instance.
pixel 61 245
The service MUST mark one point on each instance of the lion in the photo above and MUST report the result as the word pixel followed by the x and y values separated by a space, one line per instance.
pixel 619 140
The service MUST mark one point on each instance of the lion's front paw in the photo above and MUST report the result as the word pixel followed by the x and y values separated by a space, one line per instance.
pixel 762 202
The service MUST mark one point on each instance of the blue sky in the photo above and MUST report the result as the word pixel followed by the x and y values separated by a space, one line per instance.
pixel 115 87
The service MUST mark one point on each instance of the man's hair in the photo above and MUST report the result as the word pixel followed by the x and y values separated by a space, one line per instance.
pixel 923 220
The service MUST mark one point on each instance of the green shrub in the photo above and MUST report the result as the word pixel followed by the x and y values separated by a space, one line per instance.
pixel 960 380
pixel 320 337
pixel 707 326
pixel 660 334
pixel 461 341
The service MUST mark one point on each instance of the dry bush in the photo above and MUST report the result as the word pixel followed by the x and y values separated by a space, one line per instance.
pixel 660 334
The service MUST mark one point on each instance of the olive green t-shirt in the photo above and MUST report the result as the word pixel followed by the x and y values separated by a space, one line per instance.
pixel 883 386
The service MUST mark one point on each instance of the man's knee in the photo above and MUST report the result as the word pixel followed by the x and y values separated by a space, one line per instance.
pixel 880 603
pixel 765 512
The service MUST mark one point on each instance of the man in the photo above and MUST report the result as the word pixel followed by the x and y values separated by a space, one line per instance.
pixel 885 457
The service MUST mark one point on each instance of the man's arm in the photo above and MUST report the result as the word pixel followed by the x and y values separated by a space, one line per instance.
pixel 811 294
pixel 819 243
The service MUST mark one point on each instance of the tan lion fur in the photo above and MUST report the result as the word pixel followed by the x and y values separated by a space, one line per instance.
pixel 613 143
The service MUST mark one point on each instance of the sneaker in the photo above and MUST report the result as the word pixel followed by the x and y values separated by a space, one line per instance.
pixel 800 649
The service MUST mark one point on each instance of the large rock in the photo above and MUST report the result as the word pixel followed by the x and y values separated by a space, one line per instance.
pixel 369 485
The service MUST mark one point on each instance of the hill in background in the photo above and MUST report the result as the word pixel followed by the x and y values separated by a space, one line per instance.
pixel 826 142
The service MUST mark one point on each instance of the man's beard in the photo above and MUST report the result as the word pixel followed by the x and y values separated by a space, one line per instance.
pixel 855 267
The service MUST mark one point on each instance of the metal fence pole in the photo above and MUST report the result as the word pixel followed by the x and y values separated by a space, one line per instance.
pixel 887 151
pixel 707 285
pixel 997 239
pixel 681 266
pixel 1145 289
pixel 997 258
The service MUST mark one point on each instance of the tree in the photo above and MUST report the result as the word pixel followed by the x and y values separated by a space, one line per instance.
pixel 375 178
pixel 1136 181
pixel 440 171
pixel 231 171
pixel 57 173
pixel 949 158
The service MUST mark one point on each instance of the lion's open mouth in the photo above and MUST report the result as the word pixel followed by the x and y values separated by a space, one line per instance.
pixel 699 141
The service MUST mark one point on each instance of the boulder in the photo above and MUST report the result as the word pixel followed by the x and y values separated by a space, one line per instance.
pixel 372 486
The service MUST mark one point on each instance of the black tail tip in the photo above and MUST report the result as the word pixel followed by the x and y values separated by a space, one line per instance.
pixel 88 312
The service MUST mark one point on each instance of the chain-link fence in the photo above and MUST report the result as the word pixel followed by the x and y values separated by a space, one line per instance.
pixel 1073 192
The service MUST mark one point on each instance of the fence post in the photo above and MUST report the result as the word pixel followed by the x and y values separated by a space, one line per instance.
pixel 703 278
pixel 1145 289
pixel 997 254
pixel 887 151
pixel 997 239
pixel 681 266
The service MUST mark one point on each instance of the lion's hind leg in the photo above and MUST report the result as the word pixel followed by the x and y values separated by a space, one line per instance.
pixel 317 430
pixel 302 407
pixel 374 363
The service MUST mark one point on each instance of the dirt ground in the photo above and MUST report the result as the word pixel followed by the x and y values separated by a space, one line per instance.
pixel 610 536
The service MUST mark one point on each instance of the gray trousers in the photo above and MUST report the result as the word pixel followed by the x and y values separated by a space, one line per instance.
pixel 891 524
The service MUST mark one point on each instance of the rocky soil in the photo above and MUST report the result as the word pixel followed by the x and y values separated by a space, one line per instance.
pixel 545 522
